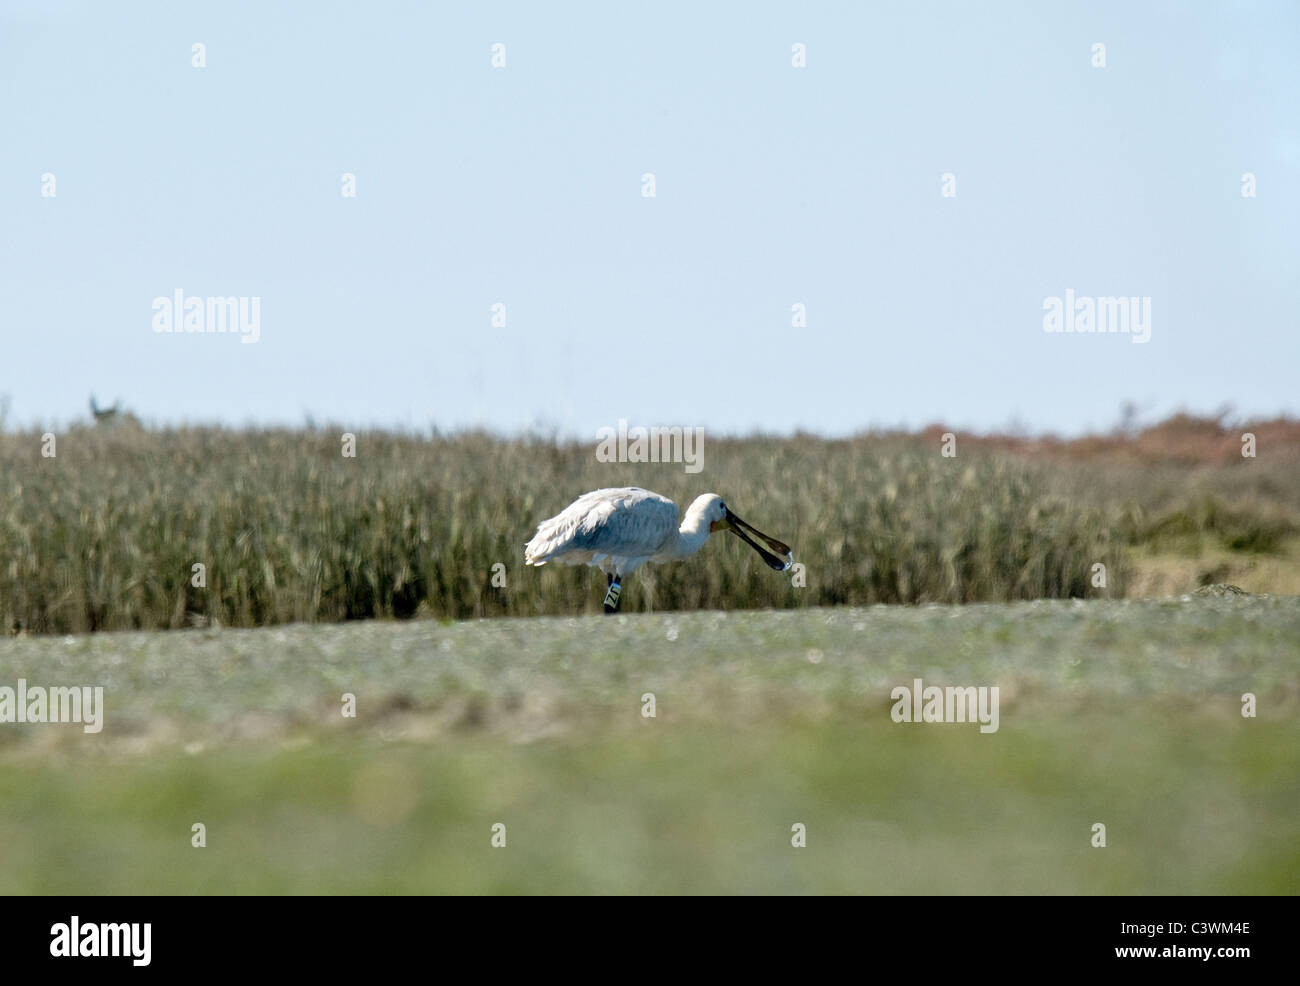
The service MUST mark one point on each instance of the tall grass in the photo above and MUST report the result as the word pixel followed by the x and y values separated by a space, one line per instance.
pixel 105 535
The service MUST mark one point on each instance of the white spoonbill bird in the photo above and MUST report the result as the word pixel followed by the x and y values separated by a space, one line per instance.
pixel 619 530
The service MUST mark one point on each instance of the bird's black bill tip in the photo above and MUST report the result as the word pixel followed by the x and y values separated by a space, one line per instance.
pixel 780 564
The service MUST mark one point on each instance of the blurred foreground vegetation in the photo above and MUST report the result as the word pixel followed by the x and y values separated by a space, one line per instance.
pixel 1126 713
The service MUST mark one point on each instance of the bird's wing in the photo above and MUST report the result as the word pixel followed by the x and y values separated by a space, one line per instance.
pixel 628 522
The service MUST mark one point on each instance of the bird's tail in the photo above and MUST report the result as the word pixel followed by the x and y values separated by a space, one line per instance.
pixel 535 551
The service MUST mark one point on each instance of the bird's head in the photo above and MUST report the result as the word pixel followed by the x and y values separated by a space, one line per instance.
pixel 721 518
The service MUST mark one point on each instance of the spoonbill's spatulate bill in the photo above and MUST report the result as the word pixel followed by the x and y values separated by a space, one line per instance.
pixel 619 530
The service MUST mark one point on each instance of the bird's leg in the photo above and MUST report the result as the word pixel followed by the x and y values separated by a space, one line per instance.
pixel 612 594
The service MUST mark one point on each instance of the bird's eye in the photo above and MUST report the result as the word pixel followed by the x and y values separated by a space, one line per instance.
pixel 722 506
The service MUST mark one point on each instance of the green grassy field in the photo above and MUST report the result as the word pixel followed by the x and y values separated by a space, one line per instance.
pixel 1125 713
pixel 105 534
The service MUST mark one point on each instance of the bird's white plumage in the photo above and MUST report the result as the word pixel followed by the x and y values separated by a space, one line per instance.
pixel 617 530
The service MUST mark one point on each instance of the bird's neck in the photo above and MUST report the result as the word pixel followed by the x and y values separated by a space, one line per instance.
pixel 691 535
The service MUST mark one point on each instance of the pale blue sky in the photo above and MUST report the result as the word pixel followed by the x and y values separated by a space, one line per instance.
pixel 775 185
